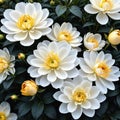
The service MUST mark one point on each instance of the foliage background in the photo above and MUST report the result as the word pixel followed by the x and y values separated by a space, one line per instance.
pixel 43 106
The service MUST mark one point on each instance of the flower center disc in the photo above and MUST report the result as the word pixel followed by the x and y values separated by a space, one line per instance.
pixel 102 70
pixel 64 36
pixel 106 4
pixel 79 96
pixel 3 64
pixel 25 22
pixel 52 61
pixel 93 41
pixel 2 116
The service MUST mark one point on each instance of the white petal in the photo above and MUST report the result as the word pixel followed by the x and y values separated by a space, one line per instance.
pixel 89 112
pixel 43 71
pixel 71 107
pixel 27 42
pixel 89 9
pixel 35 34
pixel 53 47
pixel 33 72
pixel 7 14
pixel 63 108
pixel 67 66
pixel 73 73
pixel 21 36
pixel 61 74
pixel 63 98
pixel 51 76
pixel 77 114
pixel 12 116
pixel 86 105
pixel 112 77
pixel 94 104
pixel 42 81
pixel 57 84
pixel 20 7
pixel 15 15
pixel 102 18
pixel 67 91
pixel 101 97
pixel 57 94
pixel 100 57
pixel 114 16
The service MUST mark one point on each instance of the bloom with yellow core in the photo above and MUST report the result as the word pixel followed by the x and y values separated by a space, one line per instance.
pixel 103 9
pixel 5 112
pixel 93 42
pixel 29 88
pixel 52 63
pixel 27 23
pixel 79 96
pixel 114 37
pixel 65 32
pixel 99 67
pixel 6 64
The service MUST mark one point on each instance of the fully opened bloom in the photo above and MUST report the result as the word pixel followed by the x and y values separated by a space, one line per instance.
pixel 65 32
pixel 99 67
pixel 53 62
pixel 79 96
pixel 103 9
pixel 26 23
pixel 5 112
pixel 93 42
pixel 6 64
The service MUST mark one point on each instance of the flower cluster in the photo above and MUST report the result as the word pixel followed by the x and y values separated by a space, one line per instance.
pixel 81 75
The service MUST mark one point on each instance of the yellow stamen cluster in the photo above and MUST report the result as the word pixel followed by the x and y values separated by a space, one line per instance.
pixel 106 4
pixel 52 61
pixel 64 35
pixel 3 64
pixel 2 116
pixel 102 70
pixel 79 96
pixel 25 22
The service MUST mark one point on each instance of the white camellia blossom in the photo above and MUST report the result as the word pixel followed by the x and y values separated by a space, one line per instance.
pixel 5 112
pixel 99 67
pixel 53 62
pixel 65 32
pixel 79 96
pixel 26 23
pixel 93 42
pixel 6 64
pixel 103 9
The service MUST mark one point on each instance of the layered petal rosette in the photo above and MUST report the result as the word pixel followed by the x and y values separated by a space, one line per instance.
pixel 6 64
pixel 79 96
pixel 26 23
pixel 99 67
pixel 5 112
pixel 103 9
pixel 53 62
pixel 93 42
pixel 65 32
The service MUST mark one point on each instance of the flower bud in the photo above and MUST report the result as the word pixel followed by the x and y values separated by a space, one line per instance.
pixel 52 2
pixel 29 88
pixel 14 97
pixel 2 1
pixel 1 36
pixel 114 37
pixel 21 56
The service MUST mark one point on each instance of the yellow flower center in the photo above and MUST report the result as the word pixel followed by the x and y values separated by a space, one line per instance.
pixel 106 4
pixel 2 116
pixel 93 41
pixel 3 64
pixel 79 96
pixel 52 61
pixel 25 22
pixel 65 36
pixel 102 70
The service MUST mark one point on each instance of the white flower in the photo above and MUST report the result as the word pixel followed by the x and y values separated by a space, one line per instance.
pixel 26 23
pixel 99 67
pixel 65 32
pixel 93 42
pixel 53 62
pixel 6 64
pixel 79 96
pixel 5 112
pixel 104 8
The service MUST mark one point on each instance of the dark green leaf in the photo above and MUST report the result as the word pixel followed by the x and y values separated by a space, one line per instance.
pixel 37 109
pixel 20 70
pixel 118 100
pixel 75 10
pixel 8 83
pixel 60 10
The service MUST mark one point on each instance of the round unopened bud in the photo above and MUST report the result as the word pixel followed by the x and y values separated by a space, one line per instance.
pixel 14 97
pixel 114 37
pixel 52 2
pixel 21 56
pixel 2 1
pixel 1 36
